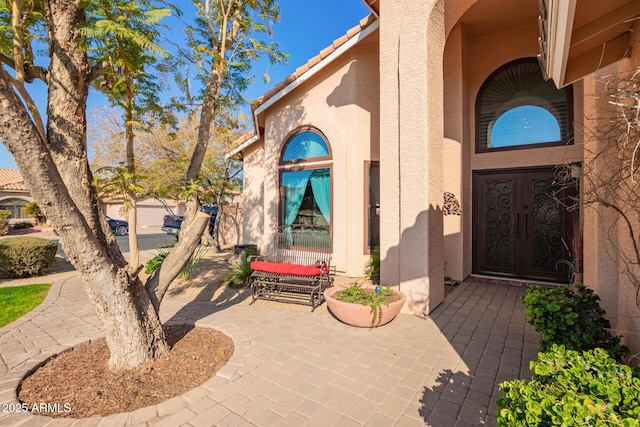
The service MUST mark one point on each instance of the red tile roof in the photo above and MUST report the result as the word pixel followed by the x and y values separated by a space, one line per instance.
pixel 351 33
pixel 11 180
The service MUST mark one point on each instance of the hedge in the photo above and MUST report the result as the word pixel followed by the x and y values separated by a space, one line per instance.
pixel 571 316
pixel 26 256
pixel 572 388
pixel 4 222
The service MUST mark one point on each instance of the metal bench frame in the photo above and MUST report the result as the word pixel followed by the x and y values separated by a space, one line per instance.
pixel 300 244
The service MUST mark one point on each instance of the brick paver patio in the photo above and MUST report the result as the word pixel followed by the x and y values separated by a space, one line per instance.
pixel 294 368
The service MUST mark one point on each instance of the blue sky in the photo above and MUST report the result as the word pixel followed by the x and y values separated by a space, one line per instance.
pixel 306 27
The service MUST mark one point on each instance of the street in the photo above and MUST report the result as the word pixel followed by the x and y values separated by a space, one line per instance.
pixel 150 241
pixel 153 242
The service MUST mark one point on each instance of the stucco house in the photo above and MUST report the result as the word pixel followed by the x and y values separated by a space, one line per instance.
pixel 14 194
pixel 478 101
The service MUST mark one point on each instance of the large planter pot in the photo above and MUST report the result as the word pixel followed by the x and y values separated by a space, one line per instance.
pixel 360 315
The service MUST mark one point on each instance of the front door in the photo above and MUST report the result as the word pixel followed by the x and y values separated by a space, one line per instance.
pixel 519 229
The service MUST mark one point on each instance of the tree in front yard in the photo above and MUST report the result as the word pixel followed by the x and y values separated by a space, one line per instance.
pixel 53 162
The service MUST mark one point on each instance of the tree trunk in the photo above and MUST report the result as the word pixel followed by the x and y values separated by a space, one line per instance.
pixel 132 212
pixel 134 253
pixel 211 92
pixel 194 223
pixel 58 176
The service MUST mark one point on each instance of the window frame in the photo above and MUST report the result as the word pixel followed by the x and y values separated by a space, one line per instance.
pixel 368 164
pixel 14 205
pixel 323 162
pixel 479 98
pixel 289 138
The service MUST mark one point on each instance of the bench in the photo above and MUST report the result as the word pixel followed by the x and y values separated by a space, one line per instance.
pixel 298 270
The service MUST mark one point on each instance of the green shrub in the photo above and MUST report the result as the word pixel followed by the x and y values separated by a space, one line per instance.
pixel 4 222
pixel 26 256
pixel 571 388
pixel 240 272
pixel 186 271
pixel 32 210
pixel 571 316
pixel 154 263
pixel 21 225
pixel 372 266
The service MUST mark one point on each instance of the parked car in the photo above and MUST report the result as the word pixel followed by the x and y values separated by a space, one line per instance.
pixel 171 223
pixel 118 227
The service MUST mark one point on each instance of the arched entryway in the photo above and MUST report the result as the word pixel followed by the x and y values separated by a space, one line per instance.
pixel 521 228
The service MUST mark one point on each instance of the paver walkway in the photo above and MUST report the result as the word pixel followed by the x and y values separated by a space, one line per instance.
pixel 293 368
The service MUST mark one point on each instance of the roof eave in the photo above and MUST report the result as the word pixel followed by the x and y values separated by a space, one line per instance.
pixel 556 22
pixel 295 83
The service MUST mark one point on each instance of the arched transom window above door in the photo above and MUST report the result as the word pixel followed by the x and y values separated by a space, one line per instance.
pixel 516 108
pixel 305 179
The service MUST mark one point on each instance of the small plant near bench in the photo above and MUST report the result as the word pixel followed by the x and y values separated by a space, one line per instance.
pixel 239 273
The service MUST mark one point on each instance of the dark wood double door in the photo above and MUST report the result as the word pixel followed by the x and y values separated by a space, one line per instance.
pixel 519 229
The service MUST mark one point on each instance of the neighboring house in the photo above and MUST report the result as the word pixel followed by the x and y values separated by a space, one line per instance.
pixel 436 97
pixel 14 194
pixel 149 211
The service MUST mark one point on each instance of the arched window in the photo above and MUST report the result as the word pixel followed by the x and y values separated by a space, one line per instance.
pixel 15 206
pixel 517 108
pixel 305 179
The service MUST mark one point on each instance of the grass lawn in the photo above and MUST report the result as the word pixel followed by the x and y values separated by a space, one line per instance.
pixel 19 300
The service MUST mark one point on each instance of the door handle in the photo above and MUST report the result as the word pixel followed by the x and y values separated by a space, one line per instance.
pixel 526 225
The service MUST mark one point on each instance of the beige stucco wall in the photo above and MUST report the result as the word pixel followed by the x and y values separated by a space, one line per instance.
pixel 411 93
pixel 602 267
pixel 339 102
pixel 253 197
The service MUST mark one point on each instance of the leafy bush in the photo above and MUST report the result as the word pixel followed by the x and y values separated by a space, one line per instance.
pixel 240 272
pixel 186 271
pixel 571 316
pixel 154 263
pixel 26 256
pixel 571 388
pixel 372 266
pixel 21 225
pixel 4 222
pixel 32 210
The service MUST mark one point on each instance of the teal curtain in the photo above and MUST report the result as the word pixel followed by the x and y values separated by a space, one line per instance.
pixel 321 186
pixel 294 185
pixel 305 145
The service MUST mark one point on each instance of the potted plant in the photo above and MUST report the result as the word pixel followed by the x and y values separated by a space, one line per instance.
pixel 364 306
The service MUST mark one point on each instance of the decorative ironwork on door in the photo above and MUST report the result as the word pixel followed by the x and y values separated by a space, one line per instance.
pixel 498 224
pixel 518 225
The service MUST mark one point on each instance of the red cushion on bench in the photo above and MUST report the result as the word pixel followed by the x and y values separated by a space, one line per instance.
pixel 283 268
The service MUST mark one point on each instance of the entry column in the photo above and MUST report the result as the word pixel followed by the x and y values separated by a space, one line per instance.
pixel 411 139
